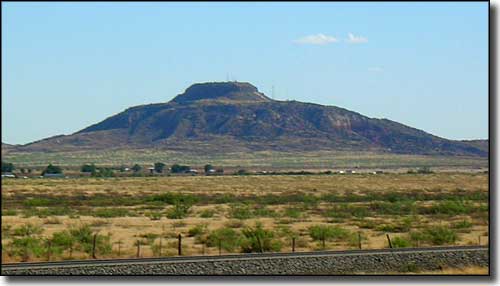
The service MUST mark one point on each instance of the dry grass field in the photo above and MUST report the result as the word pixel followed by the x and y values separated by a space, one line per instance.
pixel 259 160
pixel 56 218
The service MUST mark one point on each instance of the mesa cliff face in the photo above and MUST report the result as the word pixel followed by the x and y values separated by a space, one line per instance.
pixel 235 116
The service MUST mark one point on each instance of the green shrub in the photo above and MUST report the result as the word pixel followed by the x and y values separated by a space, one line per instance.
pixel 84 237
pixel 39 202
pixel 337 212
pixel 394 208
pixel 325 233
pixel 228 238
pixel 240 211
pixel 451 207
pixel 197 230
pixel 369 224
pixel 417 238
pixel 62 241
pixel 260 211
pixel 179 210
pixel 207 213
pixel 258 239
pixel 10 212
pixel 159 167
pixel 7 167
pixel 435 235
pixel 398 227
pixel 111 212
pixel 27 246
pixel 241 172
pixel 321 232
pixel 224 199
pixel 463 225
pixel 176 168
pixel 27 242
pixel 440 235
pixel 88 168
pixel 173 198
pixel 27 230
pixel 345 210
pixel 293 212
pixel 399 242
pixel 136 168
pixel 45 212
pixel 51 169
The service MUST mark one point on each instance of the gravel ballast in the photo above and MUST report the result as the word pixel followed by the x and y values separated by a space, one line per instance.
pixel 321 264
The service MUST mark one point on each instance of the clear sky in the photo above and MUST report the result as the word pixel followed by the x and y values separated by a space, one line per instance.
pixel 68 65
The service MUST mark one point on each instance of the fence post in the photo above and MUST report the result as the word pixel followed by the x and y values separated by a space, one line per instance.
pixel 220 246
pixel 93 245
pixel 389 240
pixel 293 244
pixel 138 248
pixel 48 249
pixel 119 247
pixel 479 239
pixel 359 240
pixel 179 245
pixel 260 243
pixel 160 245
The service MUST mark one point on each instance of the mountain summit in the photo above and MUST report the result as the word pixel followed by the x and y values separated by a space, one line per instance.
pixel 236 117
pixel 224 91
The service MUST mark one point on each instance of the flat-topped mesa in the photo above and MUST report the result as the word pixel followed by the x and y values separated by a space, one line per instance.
pixel 223 91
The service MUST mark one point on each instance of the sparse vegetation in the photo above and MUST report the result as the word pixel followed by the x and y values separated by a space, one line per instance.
pixel 111 212
pixel 51 169
pixel 411 207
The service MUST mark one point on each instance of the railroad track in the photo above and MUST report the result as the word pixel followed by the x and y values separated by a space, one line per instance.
pixel 229 257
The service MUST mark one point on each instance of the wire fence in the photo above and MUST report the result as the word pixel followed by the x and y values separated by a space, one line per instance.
pixel 98 247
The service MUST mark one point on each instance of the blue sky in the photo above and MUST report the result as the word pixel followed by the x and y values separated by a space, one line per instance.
pixel 68 65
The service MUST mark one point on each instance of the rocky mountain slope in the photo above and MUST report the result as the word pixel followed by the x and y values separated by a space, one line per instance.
pixel 235 116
